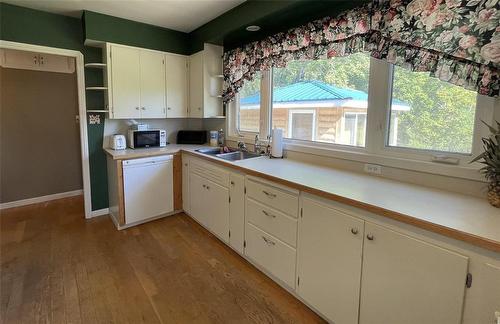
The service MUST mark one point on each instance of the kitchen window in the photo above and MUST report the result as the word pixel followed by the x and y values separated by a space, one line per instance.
pixel 363 109
pixel 430 114
pixel 249 102
pixel 316 100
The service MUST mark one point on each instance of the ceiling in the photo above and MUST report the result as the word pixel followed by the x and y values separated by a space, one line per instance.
pixel 181 15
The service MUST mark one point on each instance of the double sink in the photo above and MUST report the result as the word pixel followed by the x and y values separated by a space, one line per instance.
pixel 232 155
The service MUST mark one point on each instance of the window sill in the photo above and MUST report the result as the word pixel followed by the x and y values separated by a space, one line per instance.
pixel 359 155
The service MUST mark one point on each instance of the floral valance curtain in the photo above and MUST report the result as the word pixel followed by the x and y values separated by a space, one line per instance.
pixel 456 41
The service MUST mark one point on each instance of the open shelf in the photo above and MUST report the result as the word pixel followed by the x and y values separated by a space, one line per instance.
pixel 97 110
pixel 96 88
pixel 95 65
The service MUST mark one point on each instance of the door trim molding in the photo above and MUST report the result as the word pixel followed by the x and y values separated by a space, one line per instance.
pixel 35 200
pixel 84 143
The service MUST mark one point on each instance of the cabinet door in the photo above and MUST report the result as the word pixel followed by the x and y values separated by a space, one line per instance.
pixel 237 211
pixel 406 280
pixel 198 199
pixel 185 184
pixel 217 208
pixel 152 85
pixel 126 82
pixel 196 85
pixel 177 86
pixel 329 261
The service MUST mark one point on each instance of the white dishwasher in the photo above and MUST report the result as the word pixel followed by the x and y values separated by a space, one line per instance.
pixel 148 187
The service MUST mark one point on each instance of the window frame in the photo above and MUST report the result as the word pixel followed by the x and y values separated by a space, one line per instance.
pixel 376 149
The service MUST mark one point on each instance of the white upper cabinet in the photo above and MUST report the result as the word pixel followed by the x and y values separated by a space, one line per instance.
pixel 143 83
pixel 125 82
pixel 406 280
pixel 329 261
pixel 205 83
pixel 152 66
pixel 177 85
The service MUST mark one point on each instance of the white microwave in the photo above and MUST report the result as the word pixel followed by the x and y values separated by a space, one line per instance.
pixel 147 138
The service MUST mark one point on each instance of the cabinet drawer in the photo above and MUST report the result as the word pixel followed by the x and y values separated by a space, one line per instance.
pixel 210 171
pixel 272 221
pixel 270 253
pixel 277 198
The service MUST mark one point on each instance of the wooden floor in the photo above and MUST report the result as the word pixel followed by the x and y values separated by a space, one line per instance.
pixel 58 268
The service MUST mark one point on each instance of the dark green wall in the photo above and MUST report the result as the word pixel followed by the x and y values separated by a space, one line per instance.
pixel 106 28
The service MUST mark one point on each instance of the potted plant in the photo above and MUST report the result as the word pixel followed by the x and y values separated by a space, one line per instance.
pixel 491 160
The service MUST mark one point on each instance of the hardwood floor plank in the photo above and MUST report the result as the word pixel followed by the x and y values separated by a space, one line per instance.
pixel 57 267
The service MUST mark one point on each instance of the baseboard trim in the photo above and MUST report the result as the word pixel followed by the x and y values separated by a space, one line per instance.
pixel 99 212
pixel 35 200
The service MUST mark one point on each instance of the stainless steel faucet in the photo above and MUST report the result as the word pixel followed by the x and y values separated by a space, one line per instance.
pixel 257 147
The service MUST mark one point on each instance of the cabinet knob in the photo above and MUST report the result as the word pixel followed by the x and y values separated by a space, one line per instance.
pixel 208 188
pixel 143 108
pixel 136 108
pixel 199 108
pixel 204 186
pixel 370 237
pixel 232 183
pixel 354 231
pixel 185 164
pixel 168 108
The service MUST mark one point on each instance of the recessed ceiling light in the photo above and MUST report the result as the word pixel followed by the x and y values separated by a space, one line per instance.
pixel 253 28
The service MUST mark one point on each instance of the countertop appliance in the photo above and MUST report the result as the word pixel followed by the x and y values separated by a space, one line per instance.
pixel 118 142
pixel 148 187
pixel 147 138
pixel 191 137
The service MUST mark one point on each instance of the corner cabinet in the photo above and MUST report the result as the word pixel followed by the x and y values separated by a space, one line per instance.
pixel 137 82
pixel 205 83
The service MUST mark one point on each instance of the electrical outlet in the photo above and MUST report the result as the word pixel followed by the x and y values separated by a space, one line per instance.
pixel 373 168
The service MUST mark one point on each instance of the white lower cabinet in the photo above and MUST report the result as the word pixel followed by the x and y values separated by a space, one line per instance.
pixel 217 208
pixel 270 253
pixel 329 261
pixel 406 280
pixel 209 197
pixel 237 212
pixel 198 199
pixel 337 259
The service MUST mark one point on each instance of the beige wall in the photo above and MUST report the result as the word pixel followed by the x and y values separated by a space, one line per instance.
pixel 39 135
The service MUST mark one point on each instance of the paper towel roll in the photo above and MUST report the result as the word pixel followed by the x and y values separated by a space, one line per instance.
pixel 277 143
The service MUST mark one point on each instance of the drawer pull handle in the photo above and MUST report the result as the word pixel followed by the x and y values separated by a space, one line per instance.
pixel 270 195
pixel 208 188
pixel 354 231
pixel 232 183
pixel 268 241
pixel 370 237
pixel 267 214
pixel 204 186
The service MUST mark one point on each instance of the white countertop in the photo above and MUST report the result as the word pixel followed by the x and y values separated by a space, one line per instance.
pixel 459 216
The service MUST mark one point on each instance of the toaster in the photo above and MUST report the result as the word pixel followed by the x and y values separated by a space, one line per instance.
pixel 118 142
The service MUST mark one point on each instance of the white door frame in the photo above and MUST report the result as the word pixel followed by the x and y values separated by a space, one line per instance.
pixel 81 107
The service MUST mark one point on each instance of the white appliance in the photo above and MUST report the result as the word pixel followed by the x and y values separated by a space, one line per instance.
pixel 147 138
pixel 118 142
pixel 148 187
